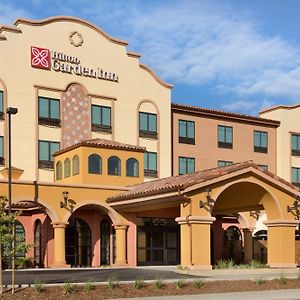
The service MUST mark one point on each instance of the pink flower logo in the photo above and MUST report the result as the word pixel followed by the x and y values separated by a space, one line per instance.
pixel 40 58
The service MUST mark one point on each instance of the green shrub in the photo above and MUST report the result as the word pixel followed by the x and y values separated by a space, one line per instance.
pixel 159 283
pixel 197 284
pixel 24 262
pixel 69 287
pixel 38 286
pixel 138 283
pixel 112 281
pixel 89 285
pixel 259 281
pixel 179 284
pixel 257 264
pixel 225 264
pixel 282 279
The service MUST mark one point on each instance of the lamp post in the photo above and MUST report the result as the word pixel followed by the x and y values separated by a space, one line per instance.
pixel 10 111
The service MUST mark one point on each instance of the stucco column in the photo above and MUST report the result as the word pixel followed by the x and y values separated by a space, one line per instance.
pixel 59 245
pixel 121 245
pixel 281 243
pixel 195 241
pixel 248 245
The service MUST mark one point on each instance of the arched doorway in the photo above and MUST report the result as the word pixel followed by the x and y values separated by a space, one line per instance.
pixel 78 243
pixel 233 248
pixel 105 242
pixel 38 249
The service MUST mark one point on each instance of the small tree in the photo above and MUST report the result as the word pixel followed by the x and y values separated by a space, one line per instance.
pixel 10 244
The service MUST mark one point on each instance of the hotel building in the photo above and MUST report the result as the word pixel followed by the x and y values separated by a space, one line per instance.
pixel 95 142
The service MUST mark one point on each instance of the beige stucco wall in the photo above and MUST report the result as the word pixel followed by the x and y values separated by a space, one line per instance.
pixel 289 122
pixel 136 84
pixel 206 151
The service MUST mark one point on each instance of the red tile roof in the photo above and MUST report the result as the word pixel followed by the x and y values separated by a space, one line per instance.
pixel 101 143
pixel 181 182
pixel 218 113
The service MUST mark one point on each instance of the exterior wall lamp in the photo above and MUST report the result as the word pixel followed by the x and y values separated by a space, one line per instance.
pixel 208 199
pixel 255 214
pixel 63 204
pixel 295 208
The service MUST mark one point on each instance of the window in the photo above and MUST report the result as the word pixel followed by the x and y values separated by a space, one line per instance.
pixel 148 125
pixel 46 150
pixel 295 145
pixel 296 176
pixel 58 170
pixel 150 164
pixel 49 112
pixel 114 166
pixel 263 167
pixel 101 118
pixel 20 238
pixel 225 136
pixel 67 168
pixel 186 132
pixel 75 165
pixel 224 163
pixel 260 141
pixel 132 167
pixel 1 106
pixel 95 164
pixel 1 151
pixel 186 165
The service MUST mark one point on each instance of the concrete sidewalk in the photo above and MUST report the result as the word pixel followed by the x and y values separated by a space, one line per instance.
pixel 261 295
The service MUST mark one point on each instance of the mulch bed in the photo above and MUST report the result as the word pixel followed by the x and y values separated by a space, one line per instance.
pixel 128 291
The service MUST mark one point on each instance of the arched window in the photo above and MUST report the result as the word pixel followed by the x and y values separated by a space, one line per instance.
pixel 58 170
pixel 20 237
pixel 114 166
pixel 95 164
pixel 75 165
pixel 132 167
pixel 67 167
pixel 38 250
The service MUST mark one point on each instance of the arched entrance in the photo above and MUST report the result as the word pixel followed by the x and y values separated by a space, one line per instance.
pixel 232 242
pixel 78 243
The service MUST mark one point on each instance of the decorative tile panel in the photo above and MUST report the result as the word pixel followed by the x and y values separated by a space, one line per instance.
pixel 75 115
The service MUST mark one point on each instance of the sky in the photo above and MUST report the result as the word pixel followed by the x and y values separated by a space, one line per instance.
pixel 233 55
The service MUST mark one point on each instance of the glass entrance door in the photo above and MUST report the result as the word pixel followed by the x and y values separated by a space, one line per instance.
pixel 105 242
pixel 158 241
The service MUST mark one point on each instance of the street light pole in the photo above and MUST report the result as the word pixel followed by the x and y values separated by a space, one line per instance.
pixel 10 111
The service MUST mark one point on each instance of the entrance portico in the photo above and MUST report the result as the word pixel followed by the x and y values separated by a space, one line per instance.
pixel 205 195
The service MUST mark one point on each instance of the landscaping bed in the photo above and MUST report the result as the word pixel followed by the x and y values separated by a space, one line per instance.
pixel 141 289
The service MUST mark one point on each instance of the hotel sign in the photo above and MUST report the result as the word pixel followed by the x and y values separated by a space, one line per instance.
pixel 42 58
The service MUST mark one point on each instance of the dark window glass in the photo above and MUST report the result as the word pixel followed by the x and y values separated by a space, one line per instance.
pixel 38 244
pixel 263 167
pixel 224 163
pixel 1 101
pixel 148 125
pixel 1 151
pixel 75 165
pixel 186 132
pixel 101 118
pixel 186 165
pixel 296 176
pixel 150 164
pixel 295 145
pixel 49 111
pixel 225 136
pixel 95 164
pixel 132 167
pixel 260 141
pixel 114 166
pixel 46 150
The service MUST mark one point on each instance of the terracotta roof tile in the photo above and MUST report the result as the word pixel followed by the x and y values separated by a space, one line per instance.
pixel 183 181
pixel 102 143
pixel 208 111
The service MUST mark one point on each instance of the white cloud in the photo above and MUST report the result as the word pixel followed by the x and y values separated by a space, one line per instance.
pixel 9 13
